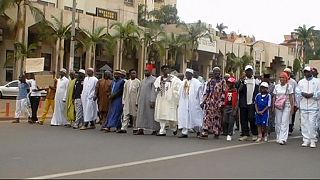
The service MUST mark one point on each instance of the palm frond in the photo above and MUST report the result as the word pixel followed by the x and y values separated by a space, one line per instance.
pixel 36 12
pixel 6 4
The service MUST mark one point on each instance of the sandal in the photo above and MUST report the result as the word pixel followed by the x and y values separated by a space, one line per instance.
pixel 204 135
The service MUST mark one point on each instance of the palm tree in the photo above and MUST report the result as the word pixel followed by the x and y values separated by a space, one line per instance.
pixel 98 35
pixel 19 33
pixel 60 33
pixel 129 38
pixel 22 6
pixel 195 32
pixel 23 51
pixel 154 42
pixel 110 44
pixel 176 46
pixel 221 27
pixel 305 36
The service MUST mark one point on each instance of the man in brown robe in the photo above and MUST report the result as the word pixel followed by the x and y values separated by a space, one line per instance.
pixel 103 92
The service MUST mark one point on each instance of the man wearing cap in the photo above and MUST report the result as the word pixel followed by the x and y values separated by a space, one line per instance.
pixel 78 87
pixel 146 104
pixel 116 109
pixel 59 114
pixel 248 90
pixel 167 87
pixel 103 92
pixel 129 101
pixel 190 114
pixel 294 85
pixel 308 95
pixel 71 112
pixel 88 99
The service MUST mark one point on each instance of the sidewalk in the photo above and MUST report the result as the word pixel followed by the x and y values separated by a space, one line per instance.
pixel 11 104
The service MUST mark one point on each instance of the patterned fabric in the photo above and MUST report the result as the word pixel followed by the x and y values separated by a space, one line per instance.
pixel 79 112
pixel 213 101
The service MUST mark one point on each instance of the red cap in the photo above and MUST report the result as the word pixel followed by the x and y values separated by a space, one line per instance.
pixel 232 80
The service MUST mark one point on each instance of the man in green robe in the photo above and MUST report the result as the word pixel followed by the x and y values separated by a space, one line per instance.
pixel 71 113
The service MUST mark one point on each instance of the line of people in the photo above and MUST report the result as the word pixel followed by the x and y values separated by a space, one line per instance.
pixel 186 104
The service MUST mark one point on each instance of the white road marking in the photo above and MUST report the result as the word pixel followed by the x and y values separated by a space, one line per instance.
pixel 103 168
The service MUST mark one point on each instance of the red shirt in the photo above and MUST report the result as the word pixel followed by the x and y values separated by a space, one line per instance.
pixel 231 98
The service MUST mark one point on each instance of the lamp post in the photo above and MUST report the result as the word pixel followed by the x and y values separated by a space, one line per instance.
pixel 73 33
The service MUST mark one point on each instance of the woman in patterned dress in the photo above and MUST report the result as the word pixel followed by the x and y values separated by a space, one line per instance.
pixel 213 103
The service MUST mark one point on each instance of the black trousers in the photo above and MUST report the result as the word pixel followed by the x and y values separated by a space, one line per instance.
pixel 228 119
pixel 247 115
pixel 291 125
pixel 34 101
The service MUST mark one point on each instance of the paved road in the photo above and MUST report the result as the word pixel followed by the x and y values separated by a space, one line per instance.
pixel 28 151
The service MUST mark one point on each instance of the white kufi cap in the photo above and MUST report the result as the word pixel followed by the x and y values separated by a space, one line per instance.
pixel 248 67
pixel 307 68
pixel 82 71
pixel 189 70
pixel 264 84
pixel 63 70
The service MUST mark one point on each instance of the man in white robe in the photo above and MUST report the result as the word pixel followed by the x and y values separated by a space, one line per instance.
pixel 190 114
pixel 308 95
pixel 88 99
pixel 129 101
pixel 166 109
pixel 59 115
pixel 315 75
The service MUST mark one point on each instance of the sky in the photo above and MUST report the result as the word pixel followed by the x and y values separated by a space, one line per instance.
pixel 267 20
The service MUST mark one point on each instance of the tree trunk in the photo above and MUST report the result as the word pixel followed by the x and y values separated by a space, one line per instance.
pixel 94 56
pixel 57 55
pixel 61 53
pixel 121 54
pixel 19 38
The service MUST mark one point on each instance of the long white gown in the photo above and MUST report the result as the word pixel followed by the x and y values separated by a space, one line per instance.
pixel 166 108
pixel 190 114
pixel 90 107
pixel 59 114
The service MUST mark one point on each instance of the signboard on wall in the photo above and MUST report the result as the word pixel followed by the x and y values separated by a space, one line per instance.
pixel 206 45
pixel 107 14
pixel 34 65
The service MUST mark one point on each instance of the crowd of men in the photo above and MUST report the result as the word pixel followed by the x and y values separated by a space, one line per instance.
pixel 178 103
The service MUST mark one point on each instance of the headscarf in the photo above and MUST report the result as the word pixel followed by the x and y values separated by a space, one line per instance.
pixel 284 74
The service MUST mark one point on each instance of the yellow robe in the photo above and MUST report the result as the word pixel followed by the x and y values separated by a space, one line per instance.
pixel 71 113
